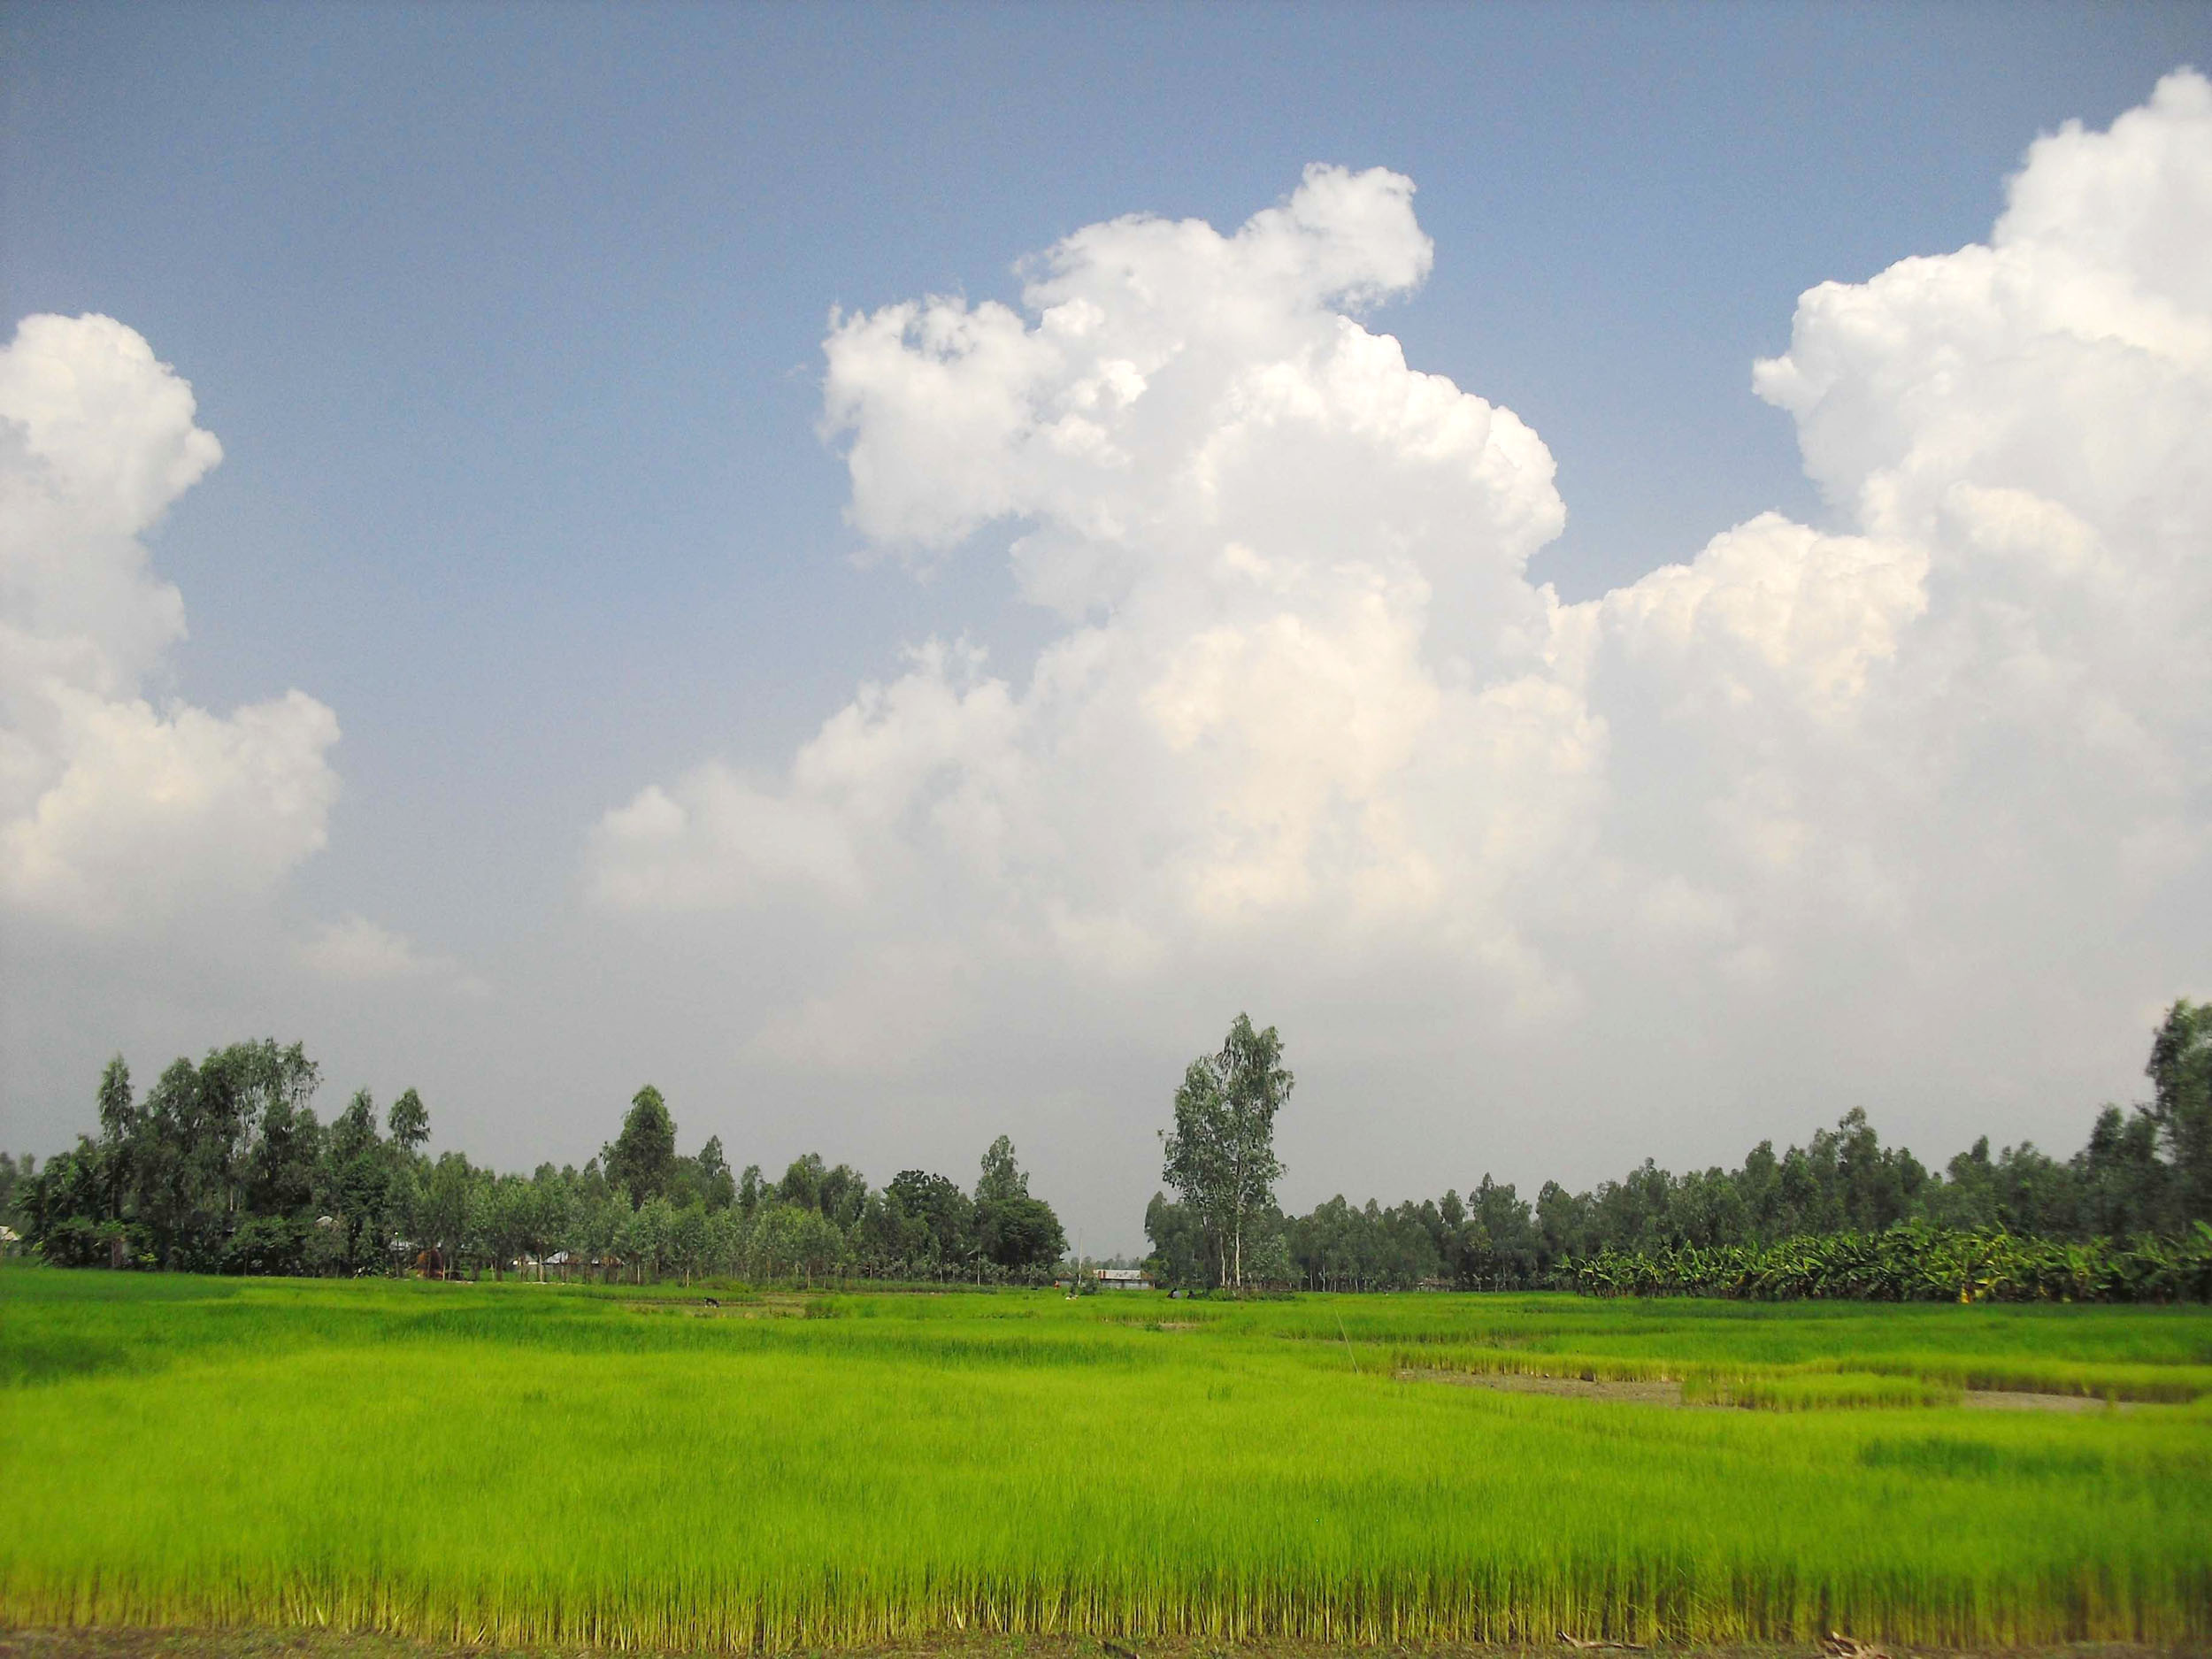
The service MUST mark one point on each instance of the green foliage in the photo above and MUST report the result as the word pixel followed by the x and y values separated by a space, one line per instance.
pixel 1220 1155
pixel 1012 1230
pixel 1019 1233
pixel 1914 1263
pixel 2143 1177
pixel 707 1177
pixel 1179 1258
pixel 14 1174
pixel 408 1123
pixel 2180 1070
pixel 1001 1177
pixel 941 1215
pixel 643 1156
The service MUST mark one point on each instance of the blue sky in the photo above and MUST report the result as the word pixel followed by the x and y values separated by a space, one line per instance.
pixel 510 320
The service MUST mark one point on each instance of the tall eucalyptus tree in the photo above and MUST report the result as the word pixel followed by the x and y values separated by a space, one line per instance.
pixel 1220 1155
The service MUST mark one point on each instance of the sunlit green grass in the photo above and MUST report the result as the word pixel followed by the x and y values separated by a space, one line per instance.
pixel 539 1466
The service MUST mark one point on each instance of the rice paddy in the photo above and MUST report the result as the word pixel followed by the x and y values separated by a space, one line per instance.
pixel 548 1465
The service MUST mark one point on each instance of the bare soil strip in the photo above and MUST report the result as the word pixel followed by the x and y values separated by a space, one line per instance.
pixel 1669 1394
pixel 1649 1394
pixel 2013 1400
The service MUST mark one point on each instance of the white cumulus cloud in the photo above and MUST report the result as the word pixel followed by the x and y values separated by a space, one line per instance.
pixel 1289 563
pixel 1894 767
pixel 115 806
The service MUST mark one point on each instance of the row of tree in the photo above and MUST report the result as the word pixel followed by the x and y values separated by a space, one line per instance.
pixel 2144 1173
pixel 1914 1261
pixel 225 1168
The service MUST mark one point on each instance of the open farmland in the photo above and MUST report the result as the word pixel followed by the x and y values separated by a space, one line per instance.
pixel 541 1465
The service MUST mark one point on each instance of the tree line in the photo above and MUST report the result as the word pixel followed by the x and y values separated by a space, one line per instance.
pixel 1914 1261
pixel 224 1167
pixel 2145 1174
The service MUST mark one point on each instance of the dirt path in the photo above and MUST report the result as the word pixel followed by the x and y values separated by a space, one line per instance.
pixel 1669 1394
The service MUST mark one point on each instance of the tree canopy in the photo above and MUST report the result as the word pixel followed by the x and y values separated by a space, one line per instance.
pixel 1220 1154
pixel 225 1168
pixel 644 1156
pixel 2144 1171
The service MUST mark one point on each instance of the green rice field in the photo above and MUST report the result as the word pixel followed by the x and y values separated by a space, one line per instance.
pixel 548 1465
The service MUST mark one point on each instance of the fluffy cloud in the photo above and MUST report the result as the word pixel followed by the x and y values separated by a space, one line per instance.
pixel 1305 690
pixel 115 807
pixel 1288 562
